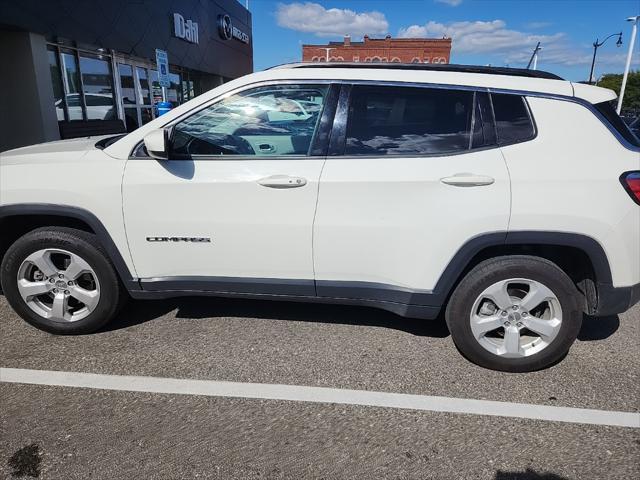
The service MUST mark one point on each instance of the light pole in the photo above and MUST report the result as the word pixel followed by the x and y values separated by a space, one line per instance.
pixel 597 45
pixel 634 29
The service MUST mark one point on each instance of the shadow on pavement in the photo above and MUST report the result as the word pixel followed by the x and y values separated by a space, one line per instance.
pixel 598 328
pixel 141 311
pixel 528 474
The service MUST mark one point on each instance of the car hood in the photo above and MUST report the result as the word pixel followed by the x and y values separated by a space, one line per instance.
pixel 67 150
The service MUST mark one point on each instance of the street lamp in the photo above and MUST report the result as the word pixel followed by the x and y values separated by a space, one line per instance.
pixel 597 45
pixel 634 29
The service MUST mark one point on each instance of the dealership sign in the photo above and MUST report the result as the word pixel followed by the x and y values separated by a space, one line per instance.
pixel 228 31
pixel 187 30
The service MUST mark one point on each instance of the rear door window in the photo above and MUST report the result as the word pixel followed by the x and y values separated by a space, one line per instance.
pixel 387 120
pixel 513 120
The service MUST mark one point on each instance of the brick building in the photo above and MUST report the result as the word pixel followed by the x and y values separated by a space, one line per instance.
pixel 401 50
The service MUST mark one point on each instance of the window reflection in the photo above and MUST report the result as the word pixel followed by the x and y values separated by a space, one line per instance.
pixel 172 91
pixel 98 88
pixel 143 86
pixel 146 115
pixel 56 82
pixel 131 118
pixel 72 83
pixel 264 121
pixel 126 84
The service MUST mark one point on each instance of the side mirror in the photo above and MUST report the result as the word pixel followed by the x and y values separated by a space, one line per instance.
pixel 157 144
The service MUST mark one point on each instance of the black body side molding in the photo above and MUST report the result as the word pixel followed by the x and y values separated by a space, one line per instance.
pixel 459 263
pixel 90 219
pixel 400 300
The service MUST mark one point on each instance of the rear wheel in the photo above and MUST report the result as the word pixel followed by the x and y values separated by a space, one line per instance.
pixel 61 281
pixel 516 314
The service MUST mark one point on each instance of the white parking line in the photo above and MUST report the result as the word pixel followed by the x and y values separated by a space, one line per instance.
pixel 298 393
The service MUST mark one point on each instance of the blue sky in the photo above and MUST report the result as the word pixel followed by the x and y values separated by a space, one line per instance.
pixel 497 32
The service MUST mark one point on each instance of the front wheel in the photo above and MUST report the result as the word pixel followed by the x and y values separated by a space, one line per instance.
pixel 60 280
pixel 515 314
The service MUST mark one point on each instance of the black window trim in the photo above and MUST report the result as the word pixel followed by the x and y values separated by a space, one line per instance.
pixel 398 83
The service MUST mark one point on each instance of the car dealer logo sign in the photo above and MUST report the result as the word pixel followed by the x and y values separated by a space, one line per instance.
pixel 228 31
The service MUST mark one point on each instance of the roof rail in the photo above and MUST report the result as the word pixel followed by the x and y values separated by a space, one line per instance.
pixel 443 67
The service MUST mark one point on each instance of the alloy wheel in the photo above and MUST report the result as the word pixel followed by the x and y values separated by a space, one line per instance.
pixel 516 317
pixel 58 285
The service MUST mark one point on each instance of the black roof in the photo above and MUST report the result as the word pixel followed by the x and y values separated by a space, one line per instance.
pixel 445 67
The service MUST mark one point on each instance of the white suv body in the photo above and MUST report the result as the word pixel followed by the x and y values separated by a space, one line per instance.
pixel 394 185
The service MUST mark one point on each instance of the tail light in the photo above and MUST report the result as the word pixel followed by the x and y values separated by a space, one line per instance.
pixel 631 183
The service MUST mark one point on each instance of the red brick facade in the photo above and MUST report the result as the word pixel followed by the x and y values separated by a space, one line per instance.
pixel 402 50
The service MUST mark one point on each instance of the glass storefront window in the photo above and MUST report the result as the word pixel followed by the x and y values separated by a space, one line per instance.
pixel 56 82
pixel 131 118
pixel 146 115
pixel 88 86
pixel 156 89
pixel 98 88
pixel 72 85
pixel 187 90
pixel 173 92
pixel 143 86
pixel 126 84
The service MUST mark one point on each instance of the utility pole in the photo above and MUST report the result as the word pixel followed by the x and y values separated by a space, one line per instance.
pixel 534 57
pixel 634 30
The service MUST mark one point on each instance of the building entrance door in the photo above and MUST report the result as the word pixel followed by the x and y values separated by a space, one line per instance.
pixel 139 90
pixel 135 93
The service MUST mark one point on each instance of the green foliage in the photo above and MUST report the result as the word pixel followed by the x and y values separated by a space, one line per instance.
pixel 631 101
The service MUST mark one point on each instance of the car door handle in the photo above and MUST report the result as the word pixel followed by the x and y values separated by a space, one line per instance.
pixel 467 180
pixel 282 181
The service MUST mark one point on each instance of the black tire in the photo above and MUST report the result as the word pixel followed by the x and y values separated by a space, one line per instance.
pixel 494 270
pixel 87 246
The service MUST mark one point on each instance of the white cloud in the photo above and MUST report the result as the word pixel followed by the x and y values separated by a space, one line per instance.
pixel 502 45
pixel 328 22
pixel 453 3
pixel 479 37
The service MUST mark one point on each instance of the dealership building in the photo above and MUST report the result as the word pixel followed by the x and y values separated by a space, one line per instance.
pixel 74 68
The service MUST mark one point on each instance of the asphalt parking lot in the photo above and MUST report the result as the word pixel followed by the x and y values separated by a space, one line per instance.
pixel 67 432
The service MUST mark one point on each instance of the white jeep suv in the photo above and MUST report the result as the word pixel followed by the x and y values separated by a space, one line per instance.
pixel 506 199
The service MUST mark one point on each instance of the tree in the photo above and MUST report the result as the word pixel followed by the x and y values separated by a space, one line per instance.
pixel 631 101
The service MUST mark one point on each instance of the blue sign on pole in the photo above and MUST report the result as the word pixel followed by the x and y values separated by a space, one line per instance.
pixel 162 60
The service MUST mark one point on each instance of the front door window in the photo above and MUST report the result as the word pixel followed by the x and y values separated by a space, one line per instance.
pixel 274 120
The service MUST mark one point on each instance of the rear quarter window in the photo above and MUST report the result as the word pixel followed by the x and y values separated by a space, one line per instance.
pixel 608 111
pixel 512 118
